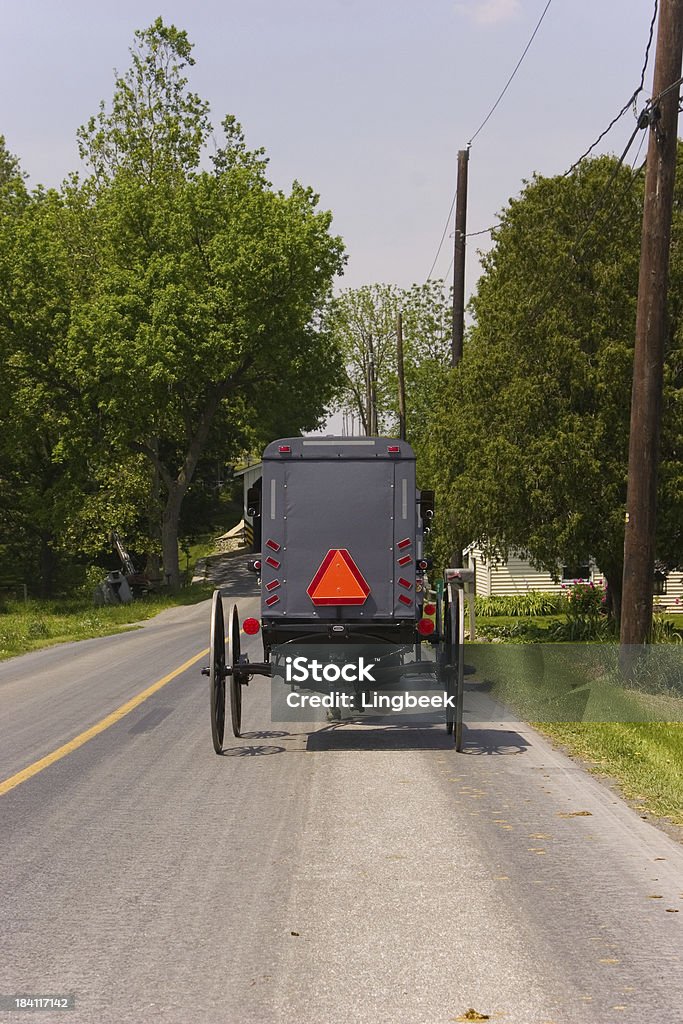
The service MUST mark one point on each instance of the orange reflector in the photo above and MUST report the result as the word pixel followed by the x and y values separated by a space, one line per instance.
pixel 338 581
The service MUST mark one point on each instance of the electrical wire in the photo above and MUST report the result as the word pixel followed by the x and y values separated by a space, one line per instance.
pixel 630 102
pixel 485 122
pixel 553 289
pixel 601 198
pixel 448 221
pixel 655 99
pixel 509 81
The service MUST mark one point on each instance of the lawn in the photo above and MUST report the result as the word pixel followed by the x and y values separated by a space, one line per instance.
pixel 631 731
pixel 27 627
pixel 645 758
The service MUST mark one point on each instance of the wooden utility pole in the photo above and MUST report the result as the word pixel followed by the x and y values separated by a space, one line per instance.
pixel 401 379
pixel 372 390
pixel 648 363
pixel 459 258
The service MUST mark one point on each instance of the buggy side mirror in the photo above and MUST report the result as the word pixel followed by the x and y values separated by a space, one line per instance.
pixel 426 506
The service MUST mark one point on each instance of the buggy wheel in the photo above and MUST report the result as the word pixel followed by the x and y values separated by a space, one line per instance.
pixel 458 620
pixel 452 666
pixel 445 656
pixel 217 672
pixel 237 677
pixel 450 712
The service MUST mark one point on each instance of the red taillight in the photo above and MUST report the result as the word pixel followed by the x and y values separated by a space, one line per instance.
pixel 394 449
pixel 425 627
pixel 430 609
pixel 251 626
pixel 285 449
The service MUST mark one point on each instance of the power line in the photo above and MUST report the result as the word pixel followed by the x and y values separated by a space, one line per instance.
pixel 629 102
pixel 443 236
pixel 509 81
pixel 670 88
pixel 484 122
pixel 553 288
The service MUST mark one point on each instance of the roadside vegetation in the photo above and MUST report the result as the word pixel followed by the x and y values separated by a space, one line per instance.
pixel 139 359
pixel 645 759
pixel 573 693
pixel 35 623
pixel 28 626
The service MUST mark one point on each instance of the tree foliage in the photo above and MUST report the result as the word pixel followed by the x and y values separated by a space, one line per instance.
pixel 158 314
pixel 363 322
pixel 530 446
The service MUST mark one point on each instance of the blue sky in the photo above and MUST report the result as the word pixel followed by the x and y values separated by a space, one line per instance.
pixel 367 101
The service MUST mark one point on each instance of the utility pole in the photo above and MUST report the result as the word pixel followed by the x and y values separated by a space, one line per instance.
pixel 401 379
pixel 372 390
pixel 648 362
pixel 368 388
pixel 459 258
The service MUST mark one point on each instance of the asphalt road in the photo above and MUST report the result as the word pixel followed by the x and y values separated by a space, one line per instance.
pixel 314 874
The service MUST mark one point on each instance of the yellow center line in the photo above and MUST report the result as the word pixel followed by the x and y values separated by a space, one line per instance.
pixel 95 730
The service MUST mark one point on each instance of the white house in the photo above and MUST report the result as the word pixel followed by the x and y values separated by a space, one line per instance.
pixel 518 576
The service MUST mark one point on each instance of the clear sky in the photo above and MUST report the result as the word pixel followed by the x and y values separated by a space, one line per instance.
pixel 368 101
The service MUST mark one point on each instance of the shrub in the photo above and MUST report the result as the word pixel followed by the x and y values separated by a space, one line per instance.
pixel 521 605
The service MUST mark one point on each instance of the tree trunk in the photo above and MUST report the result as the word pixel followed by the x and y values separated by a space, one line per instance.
pixel 46 566
pixel 153 566
pixel 176 488
pixel 614 584
pixel 169 537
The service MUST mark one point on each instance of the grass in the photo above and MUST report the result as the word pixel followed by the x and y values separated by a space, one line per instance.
pixel 632 732
pixel 28 627
pixel 36 624
pixel 202 547
pixel 645 758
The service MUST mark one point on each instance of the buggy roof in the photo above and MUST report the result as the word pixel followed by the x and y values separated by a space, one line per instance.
pixel 340 447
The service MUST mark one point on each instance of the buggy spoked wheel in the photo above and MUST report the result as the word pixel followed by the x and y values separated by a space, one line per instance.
pixel 238 678
pixel 452 665
pixel 217 672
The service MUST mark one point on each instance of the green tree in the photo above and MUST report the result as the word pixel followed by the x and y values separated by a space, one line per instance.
pixel 363 322
pixel 200 330
pixel 529 448
pixel 40 485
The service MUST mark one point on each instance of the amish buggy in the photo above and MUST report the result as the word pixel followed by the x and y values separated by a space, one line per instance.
pixel 342 566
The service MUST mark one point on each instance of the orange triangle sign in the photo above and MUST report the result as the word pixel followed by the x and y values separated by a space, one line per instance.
pixel 338 581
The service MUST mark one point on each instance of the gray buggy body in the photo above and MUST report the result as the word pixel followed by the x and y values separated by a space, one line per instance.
pixel 342 571
pixel 331 494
